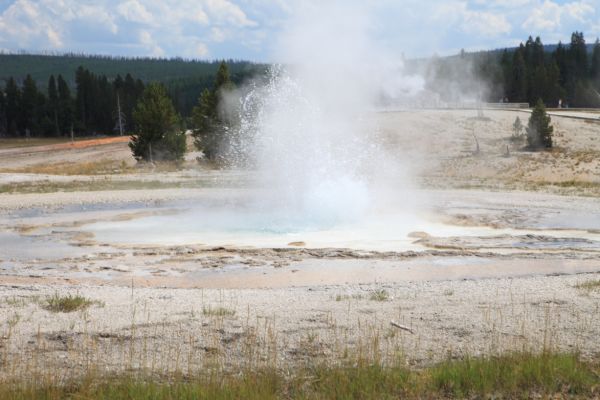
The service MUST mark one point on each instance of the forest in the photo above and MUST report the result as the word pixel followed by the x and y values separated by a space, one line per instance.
pixel 54 95
pixel 569 73
pixel 50 95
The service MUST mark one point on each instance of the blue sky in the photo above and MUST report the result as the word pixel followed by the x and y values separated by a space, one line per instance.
pixel 248 29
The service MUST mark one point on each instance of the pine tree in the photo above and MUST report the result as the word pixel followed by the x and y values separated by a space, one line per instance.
pixel 82 83
pixel 506 64
pixel 158 135
pixel 560 57
pixel 211 122
pixel 3 127
pixel 517 128
pixel 577 66
pixel 578 56
pixel 553 92
pixel 538 83
pixel 105 109
pixel 539 129
pixel 28 107
pixel 519 77
pixel 13 98
pixel 65 107
pixel 53 104
pixel 595 69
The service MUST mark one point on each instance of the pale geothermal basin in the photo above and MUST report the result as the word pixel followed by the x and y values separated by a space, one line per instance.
pixel 379 231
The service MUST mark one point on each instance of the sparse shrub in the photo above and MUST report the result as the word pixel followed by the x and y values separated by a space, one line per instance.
pixel 517 130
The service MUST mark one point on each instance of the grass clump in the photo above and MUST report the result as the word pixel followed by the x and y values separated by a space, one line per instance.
pixel 66 304
pixel 218 312
pixel 520 375
pixel 514 376
pixel 341 297
pixel 589 285
pixel 379 295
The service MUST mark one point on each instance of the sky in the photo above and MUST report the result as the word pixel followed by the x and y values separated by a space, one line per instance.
pixel 248 29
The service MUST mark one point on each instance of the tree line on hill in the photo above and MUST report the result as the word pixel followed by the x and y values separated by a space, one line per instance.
pixel 569 74
pixel 95 103
pixel 165 70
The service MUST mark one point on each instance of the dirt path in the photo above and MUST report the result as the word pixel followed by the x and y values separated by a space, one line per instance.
pixel 80 144
pixel 110 148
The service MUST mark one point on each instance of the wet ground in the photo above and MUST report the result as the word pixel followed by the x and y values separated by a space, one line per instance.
pixel 218 240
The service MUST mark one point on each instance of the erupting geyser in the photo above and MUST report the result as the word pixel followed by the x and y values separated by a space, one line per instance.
pixel 309 130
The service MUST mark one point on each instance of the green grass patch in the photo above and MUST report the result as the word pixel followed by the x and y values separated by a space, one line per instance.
pixel 102 184
pixel 341 297
pixel 511 376
pixel 218 312
pixel 589 285
pixel 514 376
pixel 68 303
pixel 379 295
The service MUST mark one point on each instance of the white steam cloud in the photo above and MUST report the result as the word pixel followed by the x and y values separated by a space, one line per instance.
pixel 311 130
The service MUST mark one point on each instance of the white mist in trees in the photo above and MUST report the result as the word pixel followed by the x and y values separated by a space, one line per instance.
pixel 309 130
pixel 212 119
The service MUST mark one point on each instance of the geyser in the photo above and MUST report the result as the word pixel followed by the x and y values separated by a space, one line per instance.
pixel 310 131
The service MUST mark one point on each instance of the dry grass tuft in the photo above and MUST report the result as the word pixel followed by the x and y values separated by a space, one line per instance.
pixel 66 304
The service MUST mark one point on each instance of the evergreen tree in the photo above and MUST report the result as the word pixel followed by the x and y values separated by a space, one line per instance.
pixel 53 104
pixel 519 77
pixel 577 66
pixel 65 107
pixel 211 121
pixel 13 98
pixel 506 65
pixel 82 94
pixel 517 128
pixel 3 128
pixel 578 56
pixel 539 129
pixel 595 69
pixel 105 106
pixel 158 135
pixel 553 91
pixel 28 107
pixel 538 85
pixel 560 58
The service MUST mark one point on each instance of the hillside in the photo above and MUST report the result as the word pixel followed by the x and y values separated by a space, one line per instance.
pixel 40 67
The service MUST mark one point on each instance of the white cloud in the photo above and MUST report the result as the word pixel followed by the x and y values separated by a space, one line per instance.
pixel 148 41
pixel 247 28
pixel 229 12
pixel 544 18
pixel 486 24
pixel 579 10
pixel 133 11
pixel 201 50
pixel 218 35
pixel 550 15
